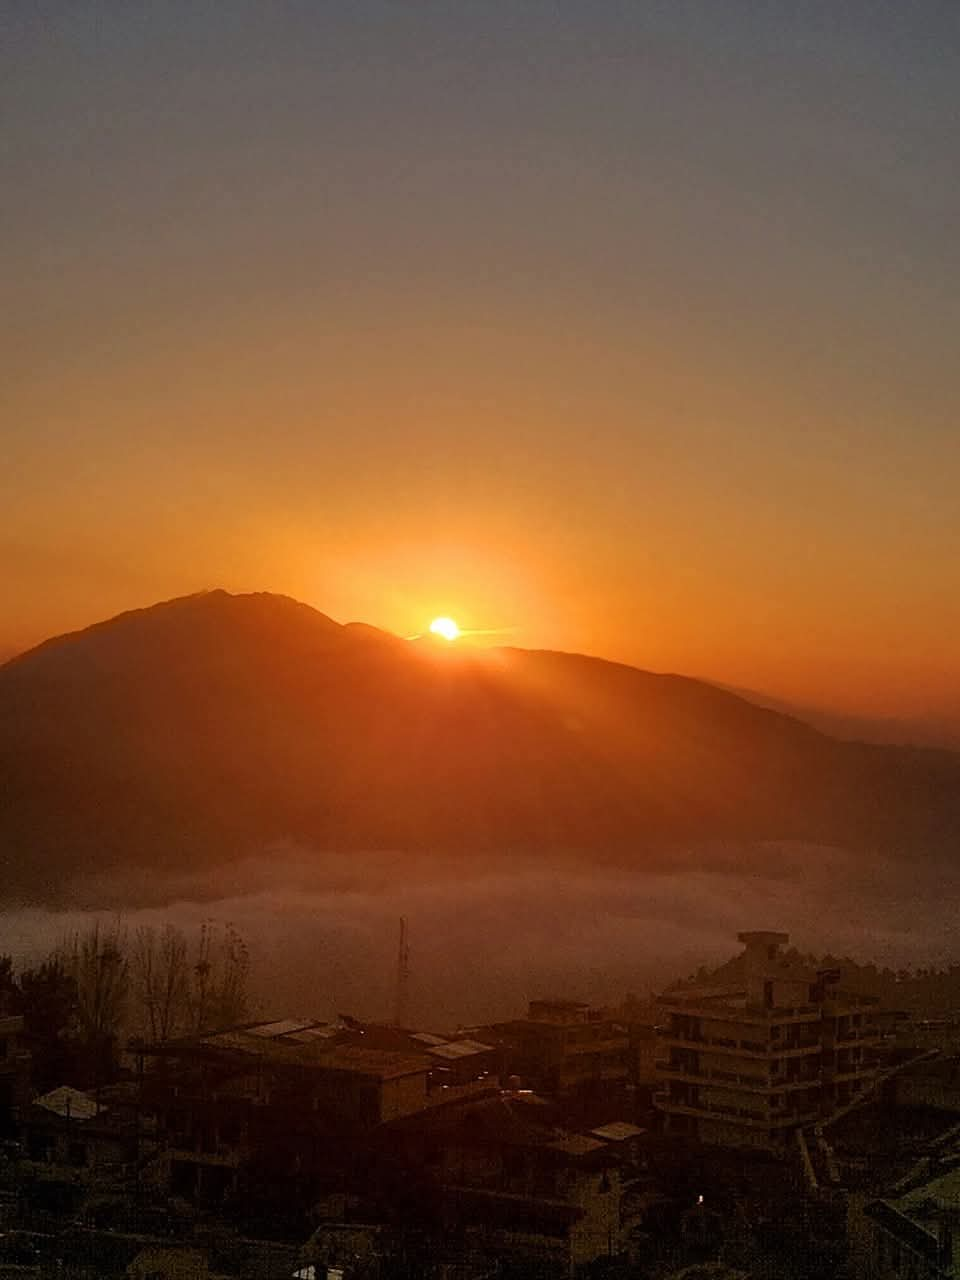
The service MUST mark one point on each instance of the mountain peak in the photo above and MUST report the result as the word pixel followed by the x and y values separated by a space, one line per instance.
pixel 205 728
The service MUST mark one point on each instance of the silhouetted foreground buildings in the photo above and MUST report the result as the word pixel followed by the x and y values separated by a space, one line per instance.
pixel 765 1117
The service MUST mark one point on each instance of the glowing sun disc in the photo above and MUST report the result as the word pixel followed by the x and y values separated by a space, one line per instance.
pixel 446 628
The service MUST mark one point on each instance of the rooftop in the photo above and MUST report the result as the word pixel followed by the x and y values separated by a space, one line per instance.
pixel 618 1131
pixel 69 1103
pixel 381 1064
pixel 326 1046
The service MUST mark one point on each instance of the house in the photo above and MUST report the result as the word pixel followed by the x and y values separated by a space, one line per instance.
pixel 769 1047
pixel 511 1183
pixel 284 1094
pixel 70 1133
pixel 459 1065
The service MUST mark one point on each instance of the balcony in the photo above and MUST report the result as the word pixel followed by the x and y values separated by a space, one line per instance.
pixel 863 1071
pixel 859 1035
pixel 743 1048
pixel 755 1014
pixel 780 1083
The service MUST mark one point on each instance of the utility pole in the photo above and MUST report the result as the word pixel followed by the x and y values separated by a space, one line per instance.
pixel 403 976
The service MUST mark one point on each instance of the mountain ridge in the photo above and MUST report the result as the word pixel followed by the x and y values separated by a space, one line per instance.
pixel 203 729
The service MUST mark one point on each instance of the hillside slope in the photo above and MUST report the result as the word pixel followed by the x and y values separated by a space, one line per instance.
pixel 196 731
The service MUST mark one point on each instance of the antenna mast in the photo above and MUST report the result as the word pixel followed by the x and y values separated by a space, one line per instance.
pixel 403 976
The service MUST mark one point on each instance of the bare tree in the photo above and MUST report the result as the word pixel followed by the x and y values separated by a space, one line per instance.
pixel 162 980
pixel 96 960
pixel 234 973
pixel 219 977
pixel 201 974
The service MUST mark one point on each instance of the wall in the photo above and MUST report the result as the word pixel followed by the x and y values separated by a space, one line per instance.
pixel 403 1095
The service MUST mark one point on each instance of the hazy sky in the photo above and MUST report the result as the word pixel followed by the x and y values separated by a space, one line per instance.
pixel 630 326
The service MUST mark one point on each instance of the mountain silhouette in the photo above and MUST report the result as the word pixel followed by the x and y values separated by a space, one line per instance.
pixel 208 728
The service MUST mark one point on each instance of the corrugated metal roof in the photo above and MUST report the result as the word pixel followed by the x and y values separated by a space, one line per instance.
pixel 617 1131
pixel 285 1027
pixel 459 1049
pixel 426 1037
pixel 324 1032
pixel 69 1103
pixel 230 1040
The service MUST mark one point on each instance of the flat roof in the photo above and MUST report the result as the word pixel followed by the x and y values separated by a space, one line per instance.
pixel 426 1037
pixel 284 1027
pixel 618 1131
pixel 459 1049
pixel 381 1064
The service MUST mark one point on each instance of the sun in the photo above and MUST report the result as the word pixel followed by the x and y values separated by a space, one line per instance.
pixel 446 628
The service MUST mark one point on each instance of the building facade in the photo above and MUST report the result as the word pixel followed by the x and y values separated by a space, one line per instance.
pixel 563 1047
pixel 770 1048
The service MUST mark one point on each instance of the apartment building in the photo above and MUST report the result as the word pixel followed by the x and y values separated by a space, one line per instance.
pixel 769 1047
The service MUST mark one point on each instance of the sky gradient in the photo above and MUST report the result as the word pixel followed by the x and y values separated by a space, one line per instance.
pixel 630 327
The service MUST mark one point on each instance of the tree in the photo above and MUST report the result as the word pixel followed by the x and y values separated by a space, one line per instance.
pixel 48 1000
pixel 219 976
pixel 161 978
pixel 8 987
pixel 97 962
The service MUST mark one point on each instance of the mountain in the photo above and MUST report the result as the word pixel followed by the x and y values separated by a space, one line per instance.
pixel 204 729
pixel 932 730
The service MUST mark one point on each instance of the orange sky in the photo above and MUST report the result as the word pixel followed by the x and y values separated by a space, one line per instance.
pixel 630 331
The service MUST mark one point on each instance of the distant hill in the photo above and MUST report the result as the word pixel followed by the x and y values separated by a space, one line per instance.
pixel 941 730
pixel 199 730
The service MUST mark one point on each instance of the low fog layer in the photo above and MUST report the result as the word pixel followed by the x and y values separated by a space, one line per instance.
pixel 323 932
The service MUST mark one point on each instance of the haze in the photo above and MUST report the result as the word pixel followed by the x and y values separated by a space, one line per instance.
pixel 488 937
pixel 631 328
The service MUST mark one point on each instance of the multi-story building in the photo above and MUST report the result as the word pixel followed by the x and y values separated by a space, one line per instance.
pixel 513 1184
pixel 770 1047
pixel 564 1047
pixel 284 1093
